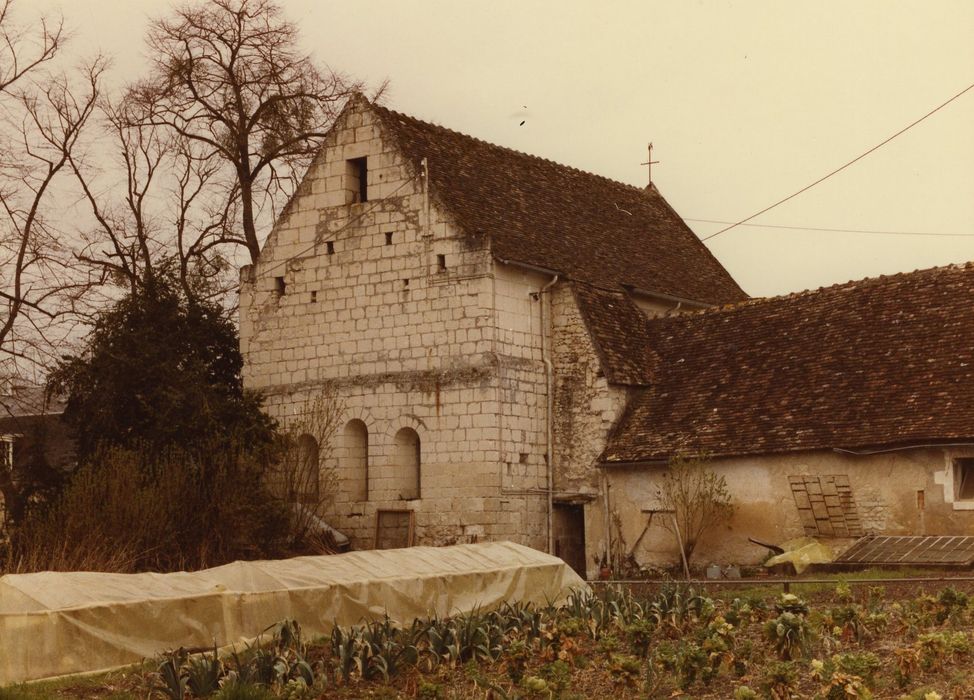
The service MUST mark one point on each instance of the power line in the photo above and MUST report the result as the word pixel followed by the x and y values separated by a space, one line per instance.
pixel 843 167
pixel 840 230
pixel 351 222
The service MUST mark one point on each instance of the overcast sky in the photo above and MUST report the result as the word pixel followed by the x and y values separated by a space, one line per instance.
pixel 745 102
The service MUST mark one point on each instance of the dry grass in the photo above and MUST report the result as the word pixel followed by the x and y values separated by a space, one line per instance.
pixel 126 511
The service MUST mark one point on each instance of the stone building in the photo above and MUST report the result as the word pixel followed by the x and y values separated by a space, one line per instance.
pixel 512 346
pixel 434 281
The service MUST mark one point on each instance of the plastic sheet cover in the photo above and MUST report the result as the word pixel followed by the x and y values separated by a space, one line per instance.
pixel 54 624
pixel 802 553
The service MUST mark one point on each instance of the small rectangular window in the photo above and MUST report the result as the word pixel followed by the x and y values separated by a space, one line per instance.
pixel 7 451
pixel 357 176
pixel 388 237
pixel 964 479
pixel 314 297
pixel 280 286
pixel 330 247
pixel 441 263
pixel 405 284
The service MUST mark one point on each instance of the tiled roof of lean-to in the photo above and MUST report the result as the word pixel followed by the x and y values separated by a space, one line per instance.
pixel 581 225
pixel 619 333
pixel 874 363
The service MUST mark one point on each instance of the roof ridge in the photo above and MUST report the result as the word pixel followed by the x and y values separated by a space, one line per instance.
pixel 850 284
pixel 546 213
pixel 523 154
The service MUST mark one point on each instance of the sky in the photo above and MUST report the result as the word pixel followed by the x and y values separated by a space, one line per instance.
pixel 745 103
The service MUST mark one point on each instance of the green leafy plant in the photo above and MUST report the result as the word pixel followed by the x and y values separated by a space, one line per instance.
pixel 691 662
pixel 429 690
pixel 863 665
pixel 203 674
pixel 243 691
pixel 937 647
pixel 843 592
pixel 845 686
pixel 625 669
pixel 609 644
pixel 789 634
pixel 951 602
pixel 791 603
pixel 740 613
pixel 639 635
pixel 780 681
pixel 170 680
pixel 558 674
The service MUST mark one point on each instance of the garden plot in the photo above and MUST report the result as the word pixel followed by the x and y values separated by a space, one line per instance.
pixel 60 623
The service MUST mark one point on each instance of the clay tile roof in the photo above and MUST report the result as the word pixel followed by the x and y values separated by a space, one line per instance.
pixel 581 225
pixel 29 400
pixel 875 363
pixel 619 332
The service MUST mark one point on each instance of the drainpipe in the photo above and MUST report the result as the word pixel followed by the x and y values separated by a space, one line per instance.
pixel 427 225
pixel 549 384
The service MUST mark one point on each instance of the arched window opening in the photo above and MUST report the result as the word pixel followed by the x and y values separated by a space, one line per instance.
pixel 305 480
pixel 408 463
pixel 356 465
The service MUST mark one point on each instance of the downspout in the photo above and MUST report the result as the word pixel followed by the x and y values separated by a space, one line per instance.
pixel 549 422
pixel 427 225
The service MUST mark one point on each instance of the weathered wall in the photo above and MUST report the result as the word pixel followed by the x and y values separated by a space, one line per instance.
pixel 884 489
pixel 521 387
pixel 369 312
pixel 585 408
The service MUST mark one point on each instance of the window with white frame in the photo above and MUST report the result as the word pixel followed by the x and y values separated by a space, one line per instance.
pixel 6 451
pixel 964 478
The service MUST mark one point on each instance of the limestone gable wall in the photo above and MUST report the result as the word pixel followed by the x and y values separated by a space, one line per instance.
pixel 353 300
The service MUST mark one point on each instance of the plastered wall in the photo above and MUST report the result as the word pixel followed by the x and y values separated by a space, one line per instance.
pixel 884 489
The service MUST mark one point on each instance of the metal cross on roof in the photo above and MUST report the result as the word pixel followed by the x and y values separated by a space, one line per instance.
pixel 650 162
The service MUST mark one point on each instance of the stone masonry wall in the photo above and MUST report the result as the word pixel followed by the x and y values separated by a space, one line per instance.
pixel 353 298
pixel 585 408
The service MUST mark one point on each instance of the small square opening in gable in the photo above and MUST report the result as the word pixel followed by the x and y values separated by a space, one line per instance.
pixel 357 180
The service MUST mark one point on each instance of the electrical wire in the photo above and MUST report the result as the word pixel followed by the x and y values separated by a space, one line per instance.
pixel 351 222
pixel 841 230
pixel 842 167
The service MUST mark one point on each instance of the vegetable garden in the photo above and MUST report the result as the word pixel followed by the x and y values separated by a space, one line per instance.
pixel 837 644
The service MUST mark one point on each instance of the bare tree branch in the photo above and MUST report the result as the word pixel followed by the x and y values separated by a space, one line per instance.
pixel 22 52
pixel 228 77
pixel 43 118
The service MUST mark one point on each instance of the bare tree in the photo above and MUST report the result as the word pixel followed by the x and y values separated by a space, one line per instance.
pixel 304 477
pixel 698 499
pixel 228 77
pixel 153 211
pixel 42 119
pixel 22 51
